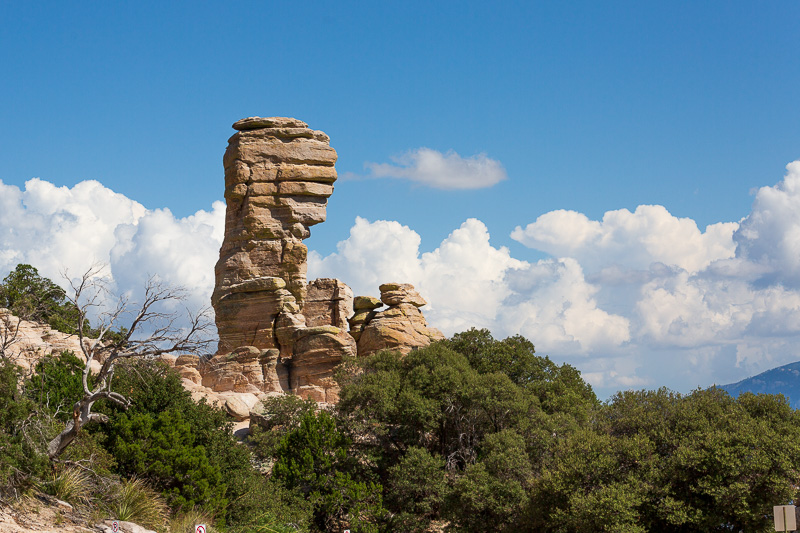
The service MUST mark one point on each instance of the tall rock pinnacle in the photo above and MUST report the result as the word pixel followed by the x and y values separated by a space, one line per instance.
pixel 278 177
pixel 277 332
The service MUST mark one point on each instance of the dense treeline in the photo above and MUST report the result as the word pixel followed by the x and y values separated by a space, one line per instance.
pixel 483 434
pixel 468 434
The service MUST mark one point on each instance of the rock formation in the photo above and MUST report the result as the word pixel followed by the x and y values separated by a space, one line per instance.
pixel 278 177
pixel 26 342
pixel 401 327
pixel 278 333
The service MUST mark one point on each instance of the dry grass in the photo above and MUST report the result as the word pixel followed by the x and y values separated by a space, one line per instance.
pixel 186 521
pixel 70 484
pixel 134 501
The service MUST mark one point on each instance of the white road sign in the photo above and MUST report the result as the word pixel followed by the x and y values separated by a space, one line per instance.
pixel 115 526
pixel 200 528
pixel 785 517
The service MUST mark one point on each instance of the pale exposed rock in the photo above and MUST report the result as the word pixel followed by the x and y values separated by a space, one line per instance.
pixel 401 327
pixel 286 326
pixel 191 373
pixel 187 360
pixel 318 350
pixel 400 293
pixel 238 371
pixel 238 405
pixel 329 302
pixel 250 123
pixel 276 372
pixel 124 527
pixel 61 504
pixel 168 359
pixel 361 318
pixel 27 342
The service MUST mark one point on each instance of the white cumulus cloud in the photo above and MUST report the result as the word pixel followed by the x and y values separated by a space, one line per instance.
pixel 59 229
pixel 638 298
pixel 770 235
pixel 634 240
pixel 441 171
pixel 470 283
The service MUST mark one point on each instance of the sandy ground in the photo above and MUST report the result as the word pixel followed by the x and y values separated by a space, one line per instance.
pixel 41 518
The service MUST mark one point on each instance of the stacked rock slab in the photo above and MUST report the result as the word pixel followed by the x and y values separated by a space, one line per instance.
pixel 401 327
pixel 364 307
pixel 278 177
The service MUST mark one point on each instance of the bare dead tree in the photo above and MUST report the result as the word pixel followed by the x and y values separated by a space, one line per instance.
pixel 9 332
pixel 11 350
pixel 151 332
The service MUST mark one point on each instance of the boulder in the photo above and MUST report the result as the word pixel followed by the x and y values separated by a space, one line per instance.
pixel 400 293
pixel 329 302
pixel 401 327
pixel 361 303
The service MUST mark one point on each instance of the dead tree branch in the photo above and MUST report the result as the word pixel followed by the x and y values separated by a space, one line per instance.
pixel 153 330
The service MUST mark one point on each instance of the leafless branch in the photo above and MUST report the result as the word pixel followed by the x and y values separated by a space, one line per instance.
pixel 152 332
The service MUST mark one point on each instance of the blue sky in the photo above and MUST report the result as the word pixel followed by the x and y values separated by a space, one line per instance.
pixel 588 107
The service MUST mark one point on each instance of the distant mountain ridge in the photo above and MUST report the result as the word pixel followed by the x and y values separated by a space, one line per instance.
pixel 781 380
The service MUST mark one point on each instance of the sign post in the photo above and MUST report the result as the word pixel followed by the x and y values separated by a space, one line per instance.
pixel 785 517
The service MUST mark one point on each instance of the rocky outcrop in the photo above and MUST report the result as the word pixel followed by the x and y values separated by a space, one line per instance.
pixel 401 327
pixel 278 177
pixel 26 342
pixel 329 302
pixel 364 308
pixel 278 333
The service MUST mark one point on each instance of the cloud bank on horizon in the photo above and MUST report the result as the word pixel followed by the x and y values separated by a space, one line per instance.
pixel 58 229
pixel 637 299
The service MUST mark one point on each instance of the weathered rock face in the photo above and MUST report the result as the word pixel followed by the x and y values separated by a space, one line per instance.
pixel 26 342
pixel 401 327
pixel 278 177
pixel 329 302
pixel 278 333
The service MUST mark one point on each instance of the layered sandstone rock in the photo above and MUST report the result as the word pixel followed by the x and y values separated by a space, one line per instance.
pixel 329 302
pixel 364 307
pixel 278 177
pixel 278 333
pixel 319 348
pixel 275 332
pixel 401 327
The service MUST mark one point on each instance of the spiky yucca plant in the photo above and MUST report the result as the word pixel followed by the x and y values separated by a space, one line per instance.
pixel 70 484
pixel 134 501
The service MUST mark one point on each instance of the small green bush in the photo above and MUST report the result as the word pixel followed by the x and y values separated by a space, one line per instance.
pixel 22 457
pixel 57 384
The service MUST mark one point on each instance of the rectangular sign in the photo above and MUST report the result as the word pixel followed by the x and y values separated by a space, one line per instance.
pixel 785 517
